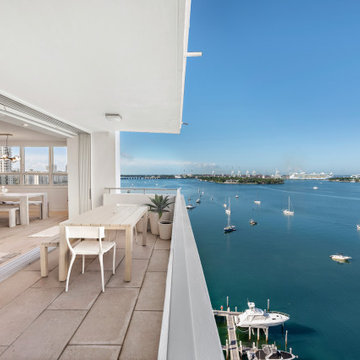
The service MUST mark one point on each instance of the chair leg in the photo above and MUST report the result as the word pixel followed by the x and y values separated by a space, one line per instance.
pixel 114 259
pixel 69 272
pixel 101 261
pixel 83 264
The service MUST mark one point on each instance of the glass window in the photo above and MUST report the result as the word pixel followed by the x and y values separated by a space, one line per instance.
pixel 36 159
pixel 60 179
pixel 7 165
pixel 36 179
pixel 60 159
pixel 9 179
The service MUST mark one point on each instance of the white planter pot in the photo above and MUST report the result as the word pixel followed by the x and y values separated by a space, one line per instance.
pixel 166 216
pixel 165 229
pixel 154 220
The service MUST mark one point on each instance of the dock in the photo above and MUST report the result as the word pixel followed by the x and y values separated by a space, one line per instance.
pixel 233 344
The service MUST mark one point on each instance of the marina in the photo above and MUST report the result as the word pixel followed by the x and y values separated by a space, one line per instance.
pixel 235 349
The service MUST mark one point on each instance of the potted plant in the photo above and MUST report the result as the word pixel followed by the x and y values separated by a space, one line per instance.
pixel 158 206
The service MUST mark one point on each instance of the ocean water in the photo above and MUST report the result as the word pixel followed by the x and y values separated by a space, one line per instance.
pixel 285 259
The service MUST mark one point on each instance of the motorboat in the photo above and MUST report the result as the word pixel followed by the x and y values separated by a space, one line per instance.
pixel 190 206
pixel 358 227
pixel 288 211
pixel 340 258
pixel 252 222
pixel 257 202
pixel 269 352
pixel 198 201
pixel 315 187
pixel 257 318
pixel 236 196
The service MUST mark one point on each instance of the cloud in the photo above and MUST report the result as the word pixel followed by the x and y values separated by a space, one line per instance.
pixel 132 165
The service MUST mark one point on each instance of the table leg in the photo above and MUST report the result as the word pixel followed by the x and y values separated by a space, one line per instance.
pixel 44 206
pixel 63 255
pixel 128 252
pixel 145 224
pixel 24 210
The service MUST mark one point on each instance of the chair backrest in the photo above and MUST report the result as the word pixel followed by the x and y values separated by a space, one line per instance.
pixel 84 232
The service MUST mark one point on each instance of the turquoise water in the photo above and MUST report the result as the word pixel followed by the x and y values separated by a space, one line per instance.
pixel 284 258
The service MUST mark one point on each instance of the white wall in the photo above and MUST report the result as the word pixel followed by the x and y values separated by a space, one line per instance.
pixel 105 164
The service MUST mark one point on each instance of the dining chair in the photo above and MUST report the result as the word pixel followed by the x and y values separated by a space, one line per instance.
pixel 92 245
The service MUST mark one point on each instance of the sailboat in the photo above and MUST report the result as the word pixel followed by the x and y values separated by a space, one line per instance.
pixel 257 202
pixel 228 209
pixel 288 211
pixel 229 228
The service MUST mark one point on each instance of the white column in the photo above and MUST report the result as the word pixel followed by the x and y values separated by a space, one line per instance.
pixel 73 175
pixel 105 164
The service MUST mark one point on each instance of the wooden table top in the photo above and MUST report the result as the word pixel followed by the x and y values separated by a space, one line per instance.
pixel 110 216
pixel 17 195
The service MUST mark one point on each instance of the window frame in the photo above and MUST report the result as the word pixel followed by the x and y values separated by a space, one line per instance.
pixel 50 173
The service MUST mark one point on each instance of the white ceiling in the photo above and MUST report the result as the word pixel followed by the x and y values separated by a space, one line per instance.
pixel 77 60
pixel 21 134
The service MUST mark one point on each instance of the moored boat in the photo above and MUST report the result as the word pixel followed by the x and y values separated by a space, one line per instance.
pixel 288 211
pixel 340 258
pixel 257 318
pixel 269 352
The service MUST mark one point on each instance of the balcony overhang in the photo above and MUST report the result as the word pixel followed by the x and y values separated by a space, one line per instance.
pixel 77 60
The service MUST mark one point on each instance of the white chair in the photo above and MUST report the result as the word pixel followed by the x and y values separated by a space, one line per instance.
pixel 88 247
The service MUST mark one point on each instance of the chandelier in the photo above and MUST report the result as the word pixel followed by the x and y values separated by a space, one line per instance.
pixel 5 151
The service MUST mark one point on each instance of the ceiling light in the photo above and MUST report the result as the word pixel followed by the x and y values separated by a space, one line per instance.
pixel 113 117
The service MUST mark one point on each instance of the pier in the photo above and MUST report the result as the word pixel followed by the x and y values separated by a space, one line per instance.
pixel 233 348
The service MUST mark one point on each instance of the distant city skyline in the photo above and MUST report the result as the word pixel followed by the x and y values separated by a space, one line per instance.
pixel 277 88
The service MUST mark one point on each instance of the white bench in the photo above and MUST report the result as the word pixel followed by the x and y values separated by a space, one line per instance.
pixel 14 214
pixel 44 262
pixel 31 202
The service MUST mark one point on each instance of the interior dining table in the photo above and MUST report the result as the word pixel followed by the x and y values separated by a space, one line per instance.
pixel 112 217
pixel 23 199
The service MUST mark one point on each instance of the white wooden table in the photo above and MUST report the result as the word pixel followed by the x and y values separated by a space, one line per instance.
pixel 111 217
pixel 23 199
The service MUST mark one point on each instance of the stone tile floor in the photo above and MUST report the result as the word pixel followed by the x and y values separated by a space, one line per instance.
pixel 40 321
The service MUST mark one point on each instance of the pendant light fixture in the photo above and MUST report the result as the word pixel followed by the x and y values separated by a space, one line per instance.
pixel 5 153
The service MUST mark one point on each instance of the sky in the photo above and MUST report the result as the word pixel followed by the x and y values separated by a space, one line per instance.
pixel 277 87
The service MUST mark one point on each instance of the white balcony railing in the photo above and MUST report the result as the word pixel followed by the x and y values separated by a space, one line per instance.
pixel 188 327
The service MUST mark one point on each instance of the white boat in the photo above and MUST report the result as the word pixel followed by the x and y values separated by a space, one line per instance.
pixel 236 196
pixel 257 202
pixel 252 222
pixel 257 318
pixel 340 258
pixel 269 352
pixel 198 201
pixel 315 187
pixel 190 206
pixel 358 226
pixel 229 228
pixel 288 211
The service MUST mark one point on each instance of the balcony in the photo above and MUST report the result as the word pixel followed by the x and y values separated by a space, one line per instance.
pixel 163 313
